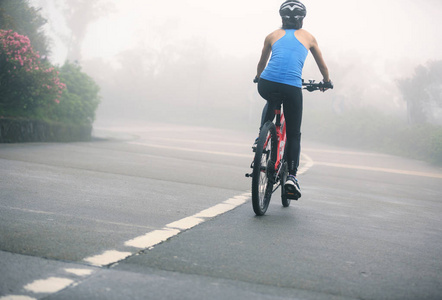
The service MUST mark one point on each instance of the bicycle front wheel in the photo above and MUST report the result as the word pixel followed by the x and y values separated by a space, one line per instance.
pixel 264 169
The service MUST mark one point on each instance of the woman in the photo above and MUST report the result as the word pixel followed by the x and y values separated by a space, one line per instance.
pixel 289 47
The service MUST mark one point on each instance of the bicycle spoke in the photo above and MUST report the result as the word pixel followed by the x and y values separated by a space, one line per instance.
pixel 262 185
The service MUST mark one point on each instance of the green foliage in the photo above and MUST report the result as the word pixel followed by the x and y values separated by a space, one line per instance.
pixel 19 16
pixel 80 100
pixel 435 148
pixel 372 130
pixel 31 89
pixel 28 86
pixel 422 91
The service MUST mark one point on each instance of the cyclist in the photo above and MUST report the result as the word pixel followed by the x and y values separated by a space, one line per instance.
pixel 288 47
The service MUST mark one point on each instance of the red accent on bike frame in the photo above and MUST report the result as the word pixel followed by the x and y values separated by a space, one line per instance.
pixel 281 133
pixel 267 141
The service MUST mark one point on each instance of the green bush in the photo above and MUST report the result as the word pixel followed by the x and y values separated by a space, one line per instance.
pixel 80 99
pixel 436 146
pixel 34 94
pixel 34 89
pixel 373 130
pixel 29 86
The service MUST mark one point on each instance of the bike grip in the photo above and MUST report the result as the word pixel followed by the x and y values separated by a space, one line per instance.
pixel 327 85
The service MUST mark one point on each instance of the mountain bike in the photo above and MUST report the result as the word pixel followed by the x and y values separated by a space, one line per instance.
pixel 269 165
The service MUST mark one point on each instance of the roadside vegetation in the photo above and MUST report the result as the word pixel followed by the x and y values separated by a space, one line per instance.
pixel 371 130
pixel 31 88
pixel 414 131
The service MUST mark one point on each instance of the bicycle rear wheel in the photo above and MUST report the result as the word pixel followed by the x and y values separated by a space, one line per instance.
pixel 264 169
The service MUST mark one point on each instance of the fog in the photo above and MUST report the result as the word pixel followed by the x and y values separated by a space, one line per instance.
pixel 193 61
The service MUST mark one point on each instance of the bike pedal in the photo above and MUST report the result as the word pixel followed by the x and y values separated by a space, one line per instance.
pixel 249 175
pixel 292 196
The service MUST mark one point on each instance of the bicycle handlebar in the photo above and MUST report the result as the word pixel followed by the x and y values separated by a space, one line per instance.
pixel 312 86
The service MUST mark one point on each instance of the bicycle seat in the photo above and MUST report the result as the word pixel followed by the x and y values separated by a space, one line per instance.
pixel 277 98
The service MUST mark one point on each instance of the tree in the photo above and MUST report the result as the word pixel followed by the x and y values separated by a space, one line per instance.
pixel 422 92
pixel 79 14
pixel 20 17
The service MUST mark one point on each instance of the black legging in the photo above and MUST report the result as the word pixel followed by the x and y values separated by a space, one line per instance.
pixel 292 104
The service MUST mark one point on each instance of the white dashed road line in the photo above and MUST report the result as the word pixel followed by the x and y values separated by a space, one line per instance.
pixel 50 285
pixel 79 272
pixel 152 238
pixel 155 237
pixel 16 297
pixel 108 257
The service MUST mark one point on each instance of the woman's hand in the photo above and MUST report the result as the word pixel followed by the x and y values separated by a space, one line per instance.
pixel 326 85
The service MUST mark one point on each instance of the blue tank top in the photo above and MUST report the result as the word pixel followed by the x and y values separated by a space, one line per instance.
pixel 288 57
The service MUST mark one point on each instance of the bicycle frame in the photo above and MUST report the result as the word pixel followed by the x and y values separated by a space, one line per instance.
pixel 282 138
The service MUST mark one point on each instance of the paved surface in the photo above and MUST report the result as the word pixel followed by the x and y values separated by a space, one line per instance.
pixel 89 220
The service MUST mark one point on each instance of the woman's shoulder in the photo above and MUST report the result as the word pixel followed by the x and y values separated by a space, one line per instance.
pixel 277 32
pixel 304 33
pixel 275 35
pixel 307 38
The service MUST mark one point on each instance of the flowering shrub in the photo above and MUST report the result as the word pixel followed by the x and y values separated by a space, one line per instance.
pixel 29 86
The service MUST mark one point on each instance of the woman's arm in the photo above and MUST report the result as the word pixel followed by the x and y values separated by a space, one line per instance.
pixel 317 54
pixel 266 50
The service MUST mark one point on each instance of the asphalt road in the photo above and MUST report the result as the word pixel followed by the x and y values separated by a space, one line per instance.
pixel 164 212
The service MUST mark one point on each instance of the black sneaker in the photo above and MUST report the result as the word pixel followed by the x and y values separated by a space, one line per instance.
pixel 292 189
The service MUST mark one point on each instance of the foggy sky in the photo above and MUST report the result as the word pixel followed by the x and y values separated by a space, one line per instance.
pixel 368 45
pixel 386 32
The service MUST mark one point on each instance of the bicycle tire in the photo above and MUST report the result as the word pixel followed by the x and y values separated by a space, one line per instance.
pixel 264 169
pixel 284 173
